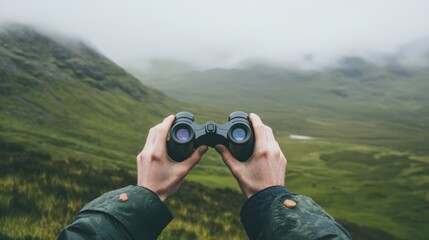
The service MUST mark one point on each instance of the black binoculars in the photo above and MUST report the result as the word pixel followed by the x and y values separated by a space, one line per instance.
pixel 186 135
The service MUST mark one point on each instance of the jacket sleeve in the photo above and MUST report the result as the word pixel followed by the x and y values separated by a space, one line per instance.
pixel 128 213
pixel 275 213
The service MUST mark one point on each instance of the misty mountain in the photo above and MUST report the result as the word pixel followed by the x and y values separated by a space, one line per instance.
pixel 380 99
pixel 414 52
pixel 65 97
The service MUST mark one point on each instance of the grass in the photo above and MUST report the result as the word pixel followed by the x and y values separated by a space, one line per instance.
pixel 37 200
pixel 366 185
pixel 72 122
pixel 35 193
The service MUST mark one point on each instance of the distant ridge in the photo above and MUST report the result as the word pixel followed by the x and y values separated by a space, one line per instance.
pixel 388 102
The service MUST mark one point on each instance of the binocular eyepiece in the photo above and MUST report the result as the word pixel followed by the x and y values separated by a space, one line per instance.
pixel 186 135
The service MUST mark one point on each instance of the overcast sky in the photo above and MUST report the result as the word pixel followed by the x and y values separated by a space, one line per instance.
pixel 222 33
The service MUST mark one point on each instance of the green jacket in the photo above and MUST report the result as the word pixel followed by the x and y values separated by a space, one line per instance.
pixel 142 215
pixel 275 213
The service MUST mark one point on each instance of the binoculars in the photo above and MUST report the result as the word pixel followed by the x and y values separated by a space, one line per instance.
pixel 186 135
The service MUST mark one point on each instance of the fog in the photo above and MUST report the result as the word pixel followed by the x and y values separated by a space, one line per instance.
pixel 227 33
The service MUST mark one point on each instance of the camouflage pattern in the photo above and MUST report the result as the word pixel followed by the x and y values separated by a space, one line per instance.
pixel 307 220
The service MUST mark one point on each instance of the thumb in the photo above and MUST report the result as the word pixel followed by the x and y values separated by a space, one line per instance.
pixel 232 163
pixel 195 157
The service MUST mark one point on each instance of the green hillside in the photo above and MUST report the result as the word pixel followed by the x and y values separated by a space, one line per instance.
pixel 66 98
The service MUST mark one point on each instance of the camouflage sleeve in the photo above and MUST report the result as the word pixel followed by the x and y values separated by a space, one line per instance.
pixel 274 213
pixel 128 213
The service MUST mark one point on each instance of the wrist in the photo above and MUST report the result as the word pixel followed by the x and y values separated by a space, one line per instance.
pixel 158 193
pixel 249 192
pixel 162 197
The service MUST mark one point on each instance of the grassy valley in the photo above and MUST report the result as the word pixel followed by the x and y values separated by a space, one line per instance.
pixel 369 157
pixel 72 122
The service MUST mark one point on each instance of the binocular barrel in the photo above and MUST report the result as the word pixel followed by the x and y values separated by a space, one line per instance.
pixel 186 135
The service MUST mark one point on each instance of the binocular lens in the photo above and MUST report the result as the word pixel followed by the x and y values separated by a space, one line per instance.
pixel 238 134
pixel 183 134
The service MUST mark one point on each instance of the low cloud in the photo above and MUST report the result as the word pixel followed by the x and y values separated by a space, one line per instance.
pixel 226 33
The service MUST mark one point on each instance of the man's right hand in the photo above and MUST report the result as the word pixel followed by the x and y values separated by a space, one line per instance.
pixel 265 168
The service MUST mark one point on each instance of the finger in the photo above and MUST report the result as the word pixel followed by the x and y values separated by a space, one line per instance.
pixel 269 135
pixel 194 158
pixel 162 131
pixel 260 131
pixel 151 136
pixel 232 163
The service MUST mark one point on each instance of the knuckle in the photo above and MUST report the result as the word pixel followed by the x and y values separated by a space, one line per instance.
pixel 196 158
pixel 284 160
pixel 139 157
pixel 155 155
pixel 226 157
pixel 152 130
pixel 276 153
pixel 143 155
pixel 280 156
pixel 263 152
pixel 150 153
pixel 182 171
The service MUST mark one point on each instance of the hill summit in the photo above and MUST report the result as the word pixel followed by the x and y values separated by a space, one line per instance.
pixel 27 52
pixel 62 95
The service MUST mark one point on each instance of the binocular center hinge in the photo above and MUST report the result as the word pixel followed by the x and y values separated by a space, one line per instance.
pixel 210 127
